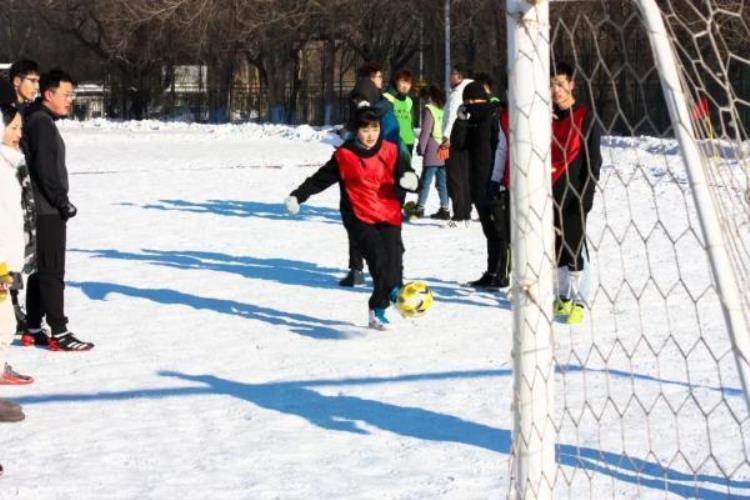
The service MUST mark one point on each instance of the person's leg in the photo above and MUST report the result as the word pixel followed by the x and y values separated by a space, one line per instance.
pixel 51 236
pixel 442 187
pixel 34 312
pixel 424 193
pixel 466 186
pixel 367 238
pixel 454 176
pixel 356 265
pixel 7 329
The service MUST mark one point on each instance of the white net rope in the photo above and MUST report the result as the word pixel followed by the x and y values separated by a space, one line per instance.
pixel 647 397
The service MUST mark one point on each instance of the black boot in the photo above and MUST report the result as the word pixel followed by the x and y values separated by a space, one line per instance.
pixel 354 278
pixel 441 214
pixel 488 280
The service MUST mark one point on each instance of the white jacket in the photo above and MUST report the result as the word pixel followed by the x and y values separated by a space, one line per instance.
pixel 12 237
pixel 455 99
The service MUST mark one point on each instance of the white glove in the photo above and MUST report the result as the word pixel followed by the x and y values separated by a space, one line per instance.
pixel 409 181
pixel 292 205
pixel 463 113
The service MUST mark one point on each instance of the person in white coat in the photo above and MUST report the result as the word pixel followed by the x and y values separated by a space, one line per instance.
pixel 456 163
pixel 12 242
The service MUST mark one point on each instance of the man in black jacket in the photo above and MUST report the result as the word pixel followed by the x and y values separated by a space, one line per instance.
pixel 45 156
pixel 475 132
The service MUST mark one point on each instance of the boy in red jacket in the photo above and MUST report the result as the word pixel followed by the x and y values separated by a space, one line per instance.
pixel 369 170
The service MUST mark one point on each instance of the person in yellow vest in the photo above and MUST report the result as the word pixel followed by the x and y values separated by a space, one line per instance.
pixel 430 138
pixel 403 107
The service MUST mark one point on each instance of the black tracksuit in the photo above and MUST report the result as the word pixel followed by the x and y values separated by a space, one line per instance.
pixel 476 133
pixel 576 163
pixel 45 157
pixel 379 237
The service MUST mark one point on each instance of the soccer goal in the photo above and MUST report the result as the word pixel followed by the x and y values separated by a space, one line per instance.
pixel 643 393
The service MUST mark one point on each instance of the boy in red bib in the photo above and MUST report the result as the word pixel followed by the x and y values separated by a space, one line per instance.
pixel 369 171
pixel 576 162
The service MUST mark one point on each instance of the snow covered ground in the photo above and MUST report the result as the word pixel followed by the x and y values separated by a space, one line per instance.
pixel 229 364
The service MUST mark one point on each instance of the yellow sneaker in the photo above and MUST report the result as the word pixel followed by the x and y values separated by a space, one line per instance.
pixel 563 307
pixel 576 315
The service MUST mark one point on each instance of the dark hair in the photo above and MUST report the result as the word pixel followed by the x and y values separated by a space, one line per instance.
pixel 460 69
pixel 366 116
pixel 435 93
pixel 23 67
pixel 368 69
pixel 483 79
pixel 562 68
pixel 403 74
pixel 53 78
pixel 8 113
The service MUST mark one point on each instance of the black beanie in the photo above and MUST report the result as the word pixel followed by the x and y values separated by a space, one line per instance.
pixel 475 90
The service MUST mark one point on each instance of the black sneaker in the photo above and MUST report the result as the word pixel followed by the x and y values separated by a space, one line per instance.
pixel 354 278
pixel 68 342
pixel 418 212
pixel 441 214
pixel 488 280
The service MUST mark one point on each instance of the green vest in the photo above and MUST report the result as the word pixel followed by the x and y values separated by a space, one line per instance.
pixel 437 122
pixel 402 110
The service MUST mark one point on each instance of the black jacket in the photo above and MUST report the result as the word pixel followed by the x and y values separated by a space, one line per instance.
pixel 329 175
pixel 45 157
pixel 475 131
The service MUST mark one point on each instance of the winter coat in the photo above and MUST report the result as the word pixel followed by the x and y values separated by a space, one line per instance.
pixel 455 100
pixel 428 145
pixel 368 180
pixel 12 238
pixel 576 157
pixel 476 132
pixel 45 156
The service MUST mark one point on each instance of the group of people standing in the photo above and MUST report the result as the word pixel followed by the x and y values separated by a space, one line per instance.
pixel 464 145
pixel 34 212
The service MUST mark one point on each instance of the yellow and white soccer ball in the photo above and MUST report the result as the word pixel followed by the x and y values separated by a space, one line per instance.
pixel 414 299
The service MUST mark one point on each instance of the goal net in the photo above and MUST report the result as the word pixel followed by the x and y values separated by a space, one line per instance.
pixel 643 397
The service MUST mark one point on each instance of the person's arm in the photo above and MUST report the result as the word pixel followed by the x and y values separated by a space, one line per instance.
pixel 325 177
pixel 425 133
pixel 460 130
pixel 449 116
pixel 501 152
pixel 592 162
pixel 44 157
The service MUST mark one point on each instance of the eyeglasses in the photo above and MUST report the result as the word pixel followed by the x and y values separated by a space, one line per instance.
pixel 68 97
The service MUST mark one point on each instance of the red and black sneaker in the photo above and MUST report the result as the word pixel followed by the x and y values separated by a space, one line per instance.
pixel 39 338
pixel 11 377
pixel 68 342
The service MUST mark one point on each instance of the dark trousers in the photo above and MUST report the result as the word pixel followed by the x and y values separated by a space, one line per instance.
pixel 356 260
pixel 457 168
pixel 494 216
pixel 45 289
pixel 382 248
pixel 570 235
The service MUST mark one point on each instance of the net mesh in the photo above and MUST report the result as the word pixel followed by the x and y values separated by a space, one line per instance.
pixel 648 400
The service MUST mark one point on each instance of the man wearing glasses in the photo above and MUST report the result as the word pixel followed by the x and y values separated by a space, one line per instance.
pixel 45 157
pixel 24 75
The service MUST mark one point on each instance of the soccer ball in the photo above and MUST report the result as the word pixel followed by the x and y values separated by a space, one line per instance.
pixel 414 299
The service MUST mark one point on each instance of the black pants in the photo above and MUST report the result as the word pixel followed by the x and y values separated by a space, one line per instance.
pixel 570 235
pixel 45 288
pixel 382 248
pixel 457 168
pixel 494 216
pixel 356 261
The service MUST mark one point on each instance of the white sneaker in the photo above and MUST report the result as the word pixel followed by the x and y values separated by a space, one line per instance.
pixel 377 320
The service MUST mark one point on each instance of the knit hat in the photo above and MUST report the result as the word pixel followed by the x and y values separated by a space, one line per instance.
pixel 475 90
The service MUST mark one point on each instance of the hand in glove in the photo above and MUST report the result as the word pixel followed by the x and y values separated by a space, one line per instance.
pixel 292 205
pixel 68 211
pixel 463 113
pixel 409 182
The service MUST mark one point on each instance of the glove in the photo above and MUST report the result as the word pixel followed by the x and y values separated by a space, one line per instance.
pixel 493 190
pixel 409 181
pixel 443 153
pixel 292 205
pixel 68 211
pixel 463 113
